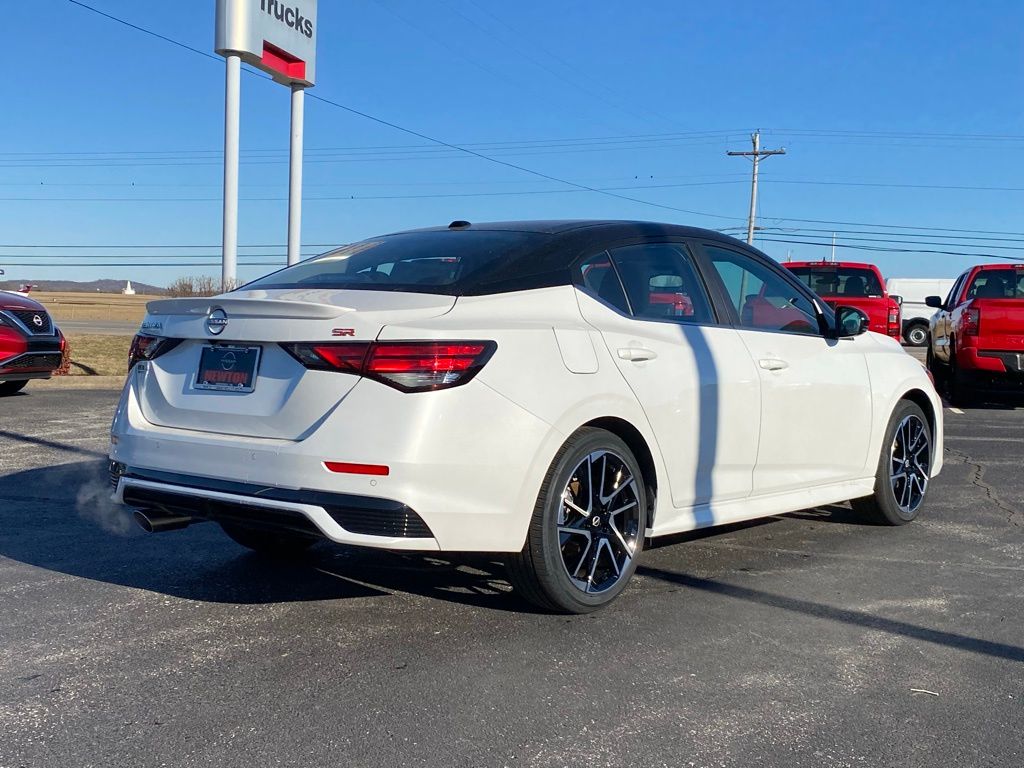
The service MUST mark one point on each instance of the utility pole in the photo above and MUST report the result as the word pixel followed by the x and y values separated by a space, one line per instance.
pixel 755 158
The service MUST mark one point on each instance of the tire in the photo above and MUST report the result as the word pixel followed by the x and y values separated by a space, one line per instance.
pixel 577 559
pixel 12 387
pixel 938 371
pixel 267 542
pixel 896 501
pixel 958 386
pixel 916 334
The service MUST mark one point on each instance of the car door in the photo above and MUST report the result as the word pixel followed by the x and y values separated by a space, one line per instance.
pixel 692 376
pixel 941 325
pixel 815 391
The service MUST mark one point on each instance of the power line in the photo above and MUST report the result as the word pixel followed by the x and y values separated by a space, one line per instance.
pixel 909 242
pixel 139 265
pixel 909 135
pixel 830 230
pixel 321 198
pixel 891 226
pixel 895 250
pixel 425 137
pixel 705 134
pixel 892 185
pixel 122 245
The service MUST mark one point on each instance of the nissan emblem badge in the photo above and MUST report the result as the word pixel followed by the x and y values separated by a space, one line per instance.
pixel 216 321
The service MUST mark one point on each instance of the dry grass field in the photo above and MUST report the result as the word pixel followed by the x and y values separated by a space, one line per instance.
pixel 93 306
pixel 93 355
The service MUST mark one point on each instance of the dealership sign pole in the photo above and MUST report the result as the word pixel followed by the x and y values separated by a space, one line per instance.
pixel 279 38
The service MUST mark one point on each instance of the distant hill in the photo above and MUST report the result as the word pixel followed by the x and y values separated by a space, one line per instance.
pixel 94 286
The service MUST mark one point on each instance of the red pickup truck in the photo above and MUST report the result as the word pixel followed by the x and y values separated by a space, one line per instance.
pixel 976 339
pixel 852 284
pixel 31 346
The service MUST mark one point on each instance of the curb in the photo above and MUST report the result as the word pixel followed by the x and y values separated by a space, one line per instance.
pixel 79 382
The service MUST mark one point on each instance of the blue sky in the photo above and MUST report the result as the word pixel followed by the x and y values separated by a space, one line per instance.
pixel 110 136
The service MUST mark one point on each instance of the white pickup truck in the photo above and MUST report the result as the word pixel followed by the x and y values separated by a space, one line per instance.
pixel 916 314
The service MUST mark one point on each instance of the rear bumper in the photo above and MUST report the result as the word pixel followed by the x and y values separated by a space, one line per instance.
pixel 467 463
pixel 1008 364
pixel 344 518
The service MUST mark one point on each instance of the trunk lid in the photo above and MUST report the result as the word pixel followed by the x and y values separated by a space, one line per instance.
pixel 288 401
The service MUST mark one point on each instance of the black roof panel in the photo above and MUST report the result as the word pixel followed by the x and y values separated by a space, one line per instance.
pixel 613 227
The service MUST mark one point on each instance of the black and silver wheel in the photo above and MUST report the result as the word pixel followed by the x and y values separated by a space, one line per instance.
pixel 916 334
pixel 268 542
pixel 587 528
pixel 12 387
pixel 904 468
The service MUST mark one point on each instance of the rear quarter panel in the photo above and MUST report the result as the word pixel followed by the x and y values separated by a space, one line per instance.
pixel 531 370
pixel 893 375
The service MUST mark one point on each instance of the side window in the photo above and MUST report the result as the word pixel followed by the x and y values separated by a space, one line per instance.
pixel 661 283
pixel 600 280
pixel 763 299
pixel 955 290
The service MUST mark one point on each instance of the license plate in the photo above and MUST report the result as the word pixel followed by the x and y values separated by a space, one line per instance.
pixel 228 369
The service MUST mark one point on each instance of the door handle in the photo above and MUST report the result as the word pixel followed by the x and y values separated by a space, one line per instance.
pixel 773 364
pixel 636 354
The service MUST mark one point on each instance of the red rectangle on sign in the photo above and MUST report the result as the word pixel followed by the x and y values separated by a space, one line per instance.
pixel 283 62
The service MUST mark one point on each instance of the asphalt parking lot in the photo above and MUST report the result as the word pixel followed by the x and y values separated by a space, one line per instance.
pixel 805 640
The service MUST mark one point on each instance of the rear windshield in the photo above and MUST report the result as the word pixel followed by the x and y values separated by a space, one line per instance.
pixel 997 284
pixel 839 281
pixel 444 262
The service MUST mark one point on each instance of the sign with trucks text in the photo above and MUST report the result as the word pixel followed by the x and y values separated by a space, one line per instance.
pixel 276 36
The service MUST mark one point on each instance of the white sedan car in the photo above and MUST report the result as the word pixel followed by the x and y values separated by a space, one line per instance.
pixel 556 391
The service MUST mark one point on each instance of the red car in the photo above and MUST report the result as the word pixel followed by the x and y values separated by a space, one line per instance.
pixel 977 336
pixel 852 284
pixel 31 345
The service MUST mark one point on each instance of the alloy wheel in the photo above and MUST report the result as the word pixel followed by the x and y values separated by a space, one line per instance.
pixel 599 522
pixel 909 463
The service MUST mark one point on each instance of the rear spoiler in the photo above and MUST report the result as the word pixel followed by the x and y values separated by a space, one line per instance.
pixel 238 307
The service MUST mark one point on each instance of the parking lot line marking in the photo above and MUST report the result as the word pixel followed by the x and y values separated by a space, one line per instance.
pixel 957 411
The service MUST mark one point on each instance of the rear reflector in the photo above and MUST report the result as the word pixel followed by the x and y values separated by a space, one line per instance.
pixel 410 366
pixel 345 468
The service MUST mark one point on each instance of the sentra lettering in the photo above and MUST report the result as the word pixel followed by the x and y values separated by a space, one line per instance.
pixel 290 16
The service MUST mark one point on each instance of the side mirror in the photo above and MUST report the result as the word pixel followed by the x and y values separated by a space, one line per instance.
pixel 935 302
pixel 850 321
pixel 897 299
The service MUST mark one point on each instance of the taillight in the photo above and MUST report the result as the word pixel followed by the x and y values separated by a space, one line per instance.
pixel 149 347
pixel 972 319
pixel 348 356
pixel 893 320
pixel 410 366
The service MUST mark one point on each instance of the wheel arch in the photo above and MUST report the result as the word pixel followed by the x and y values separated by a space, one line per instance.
pixel 921 399
pixel 633 438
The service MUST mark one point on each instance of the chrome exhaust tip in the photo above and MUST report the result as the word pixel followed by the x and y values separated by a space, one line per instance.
pixel 152 521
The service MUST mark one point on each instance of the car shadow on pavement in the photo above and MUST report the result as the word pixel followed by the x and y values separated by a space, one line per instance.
pixel 61 518
pixel 834 513
pixel 844 615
